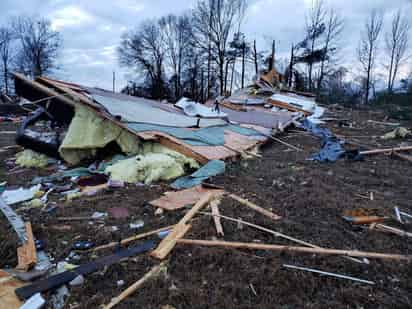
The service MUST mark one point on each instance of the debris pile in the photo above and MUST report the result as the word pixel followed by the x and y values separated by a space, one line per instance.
pixel 89 143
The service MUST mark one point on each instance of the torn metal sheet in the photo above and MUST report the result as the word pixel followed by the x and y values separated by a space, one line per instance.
pixel 129 111
pixel 15 220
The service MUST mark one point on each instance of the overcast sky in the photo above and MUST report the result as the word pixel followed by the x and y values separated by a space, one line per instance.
pixel 91 29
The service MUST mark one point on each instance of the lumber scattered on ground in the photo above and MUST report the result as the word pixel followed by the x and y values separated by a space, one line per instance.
pixel 180 229
pixel 134 287
pixel 277 234
pixel 255 207
pixel 279 248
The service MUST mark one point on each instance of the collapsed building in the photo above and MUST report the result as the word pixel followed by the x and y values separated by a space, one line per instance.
pixel 158 141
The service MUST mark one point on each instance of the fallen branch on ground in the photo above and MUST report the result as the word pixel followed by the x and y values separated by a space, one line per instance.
pixel 254 246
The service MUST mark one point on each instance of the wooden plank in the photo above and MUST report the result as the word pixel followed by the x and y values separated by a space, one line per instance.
pixel 255 207
pixel 287 106
pixel 26 254
pixel 180 229
pixel 279 248
pixel 214 205
pixel 55 281
pixel 385 150
pixel 169 242
pixel 134 287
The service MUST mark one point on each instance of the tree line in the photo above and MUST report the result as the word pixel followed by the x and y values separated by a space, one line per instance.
pixel 29 46
pixel 204 52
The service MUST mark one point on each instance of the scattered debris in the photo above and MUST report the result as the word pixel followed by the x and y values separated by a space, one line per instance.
pixel 55 281
pixel 34 302
pixel 399 132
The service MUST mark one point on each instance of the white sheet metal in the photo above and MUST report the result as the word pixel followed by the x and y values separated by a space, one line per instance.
pixel 195 109
pixel 130 111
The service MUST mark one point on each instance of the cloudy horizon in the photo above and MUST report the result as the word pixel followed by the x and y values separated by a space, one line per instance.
pixel 91 30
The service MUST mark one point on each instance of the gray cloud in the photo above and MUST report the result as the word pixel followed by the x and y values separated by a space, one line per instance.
pixel 91 30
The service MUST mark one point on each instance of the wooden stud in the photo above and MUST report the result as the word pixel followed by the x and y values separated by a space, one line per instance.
pixel 324 251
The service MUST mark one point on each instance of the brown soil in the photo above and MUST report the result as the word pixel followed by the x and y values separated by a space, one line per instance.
pixel 310 197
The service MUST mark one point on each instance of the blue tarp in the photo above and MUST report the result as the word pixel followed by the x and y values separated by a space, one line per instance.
pixel 210 136
pixel 212 168
pixel 331 147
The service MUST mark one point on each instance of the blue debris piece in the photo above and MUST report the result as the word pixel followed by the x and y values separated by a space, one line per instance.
pixel 212 168
pixel 331 147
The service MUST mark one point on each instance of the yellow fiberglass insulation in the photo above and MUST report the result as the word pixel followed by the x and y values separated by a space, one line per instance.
pixel 151 162
pixel 89 132
pixel 146 168
pixel 30 158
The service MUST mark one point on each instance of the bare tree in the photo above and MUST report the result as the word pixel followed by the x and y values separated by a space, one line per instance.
pixel 397 40
pixel 214 21
pixel 334 28
pixel 6 57
pixel 144 51
pixel 178 38
pixel 39 45
pixel 368 48
pixel 315 26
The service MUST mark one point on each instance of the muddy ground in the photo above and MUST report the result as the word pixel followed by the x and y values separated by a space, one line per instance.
pixel 310 197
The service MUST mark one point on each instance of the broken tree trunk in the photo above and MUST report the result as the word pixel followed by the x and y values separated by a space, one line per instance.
pixel 324 251
pixel 255 207
pixel 133 288
pixel 180 228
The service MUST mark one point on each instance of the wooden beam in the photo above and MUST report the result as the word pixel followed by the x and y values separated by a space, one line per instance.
pixel 255 207
pixel 180 229
pixel 322 251
pixel 26 254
